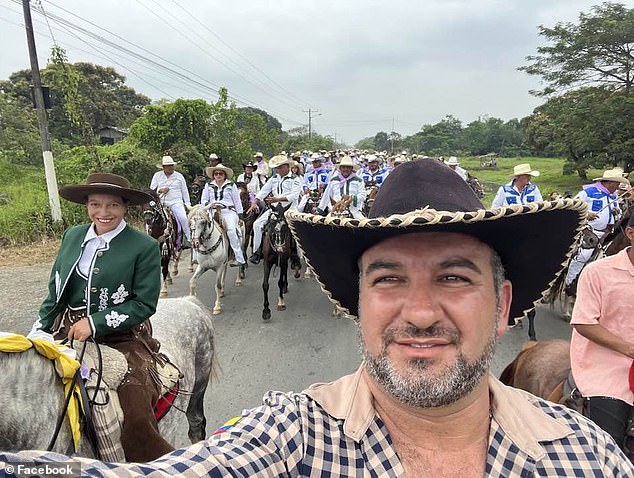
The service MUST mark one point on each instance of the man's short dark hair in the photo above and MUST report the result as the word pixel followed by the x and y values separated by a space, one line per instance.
pixel 630 223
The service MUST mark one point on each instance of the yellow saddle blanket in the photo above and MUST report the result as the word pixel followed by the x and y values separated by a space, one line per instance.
pixel 65 366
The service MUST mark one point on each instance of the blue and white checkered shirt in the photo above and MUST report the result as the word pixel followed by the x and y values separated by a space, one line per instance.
pixel 332 430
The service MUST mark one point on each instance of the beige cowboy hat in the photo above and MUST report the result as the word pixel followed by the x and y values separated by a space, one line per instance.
pixel 104 183
pixel 347 161
pixel 167 161
pixel 279 160
pixel 209 170
pixel 426 196
pixel 452 161
pixel 615 175
pixel 524 168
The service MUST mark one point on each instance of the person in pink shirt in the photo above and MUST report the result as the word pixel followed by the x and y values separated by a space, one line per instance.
pixel 602 346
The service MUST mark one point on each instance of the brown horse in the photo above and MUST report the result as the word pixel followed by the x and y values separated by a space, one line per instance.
pixel 161 224
pixel 371 190
pixel 248 218
pixel 539 368
pixel 198 184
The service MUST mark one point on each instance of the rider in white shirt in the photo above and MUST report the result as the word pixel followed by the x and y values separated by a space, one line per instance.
pixel 250 178
pixel 520 190
pixel 171 187
pixel 345 183
pixel 601 199
pixel 285 189
pixel 221 191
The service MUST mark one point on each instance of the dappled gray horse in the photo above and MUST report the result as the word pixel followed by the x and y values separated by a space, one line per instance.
pixel 32 396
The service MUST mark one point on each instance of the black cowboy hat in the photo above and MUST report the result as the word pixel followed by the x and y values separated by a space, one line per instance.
pixel 104 183
pixel 427 196
pixel 249 164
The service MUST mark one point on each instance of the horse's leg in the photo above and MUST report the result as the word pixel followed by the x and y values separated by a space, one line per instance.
pixel 282 283
pixel 219 290
pixel 531 324
pixel 193 282
pixel 175 260
pixel 166 277
pixel 223 270
pixel 307 271
pixel 190 268
pixel 204 369
pixel 266 312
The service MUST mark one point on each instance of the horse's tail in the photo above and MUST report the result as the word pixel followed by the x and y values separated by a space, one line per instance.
pixel 557 287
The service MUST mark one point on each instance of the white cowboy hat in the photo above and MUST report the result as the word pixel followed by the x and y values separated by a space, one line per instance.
pixel 372 159
pixel 258 155
pixel 400 159
pixel 213 156
pixel 524 168
pixel 279 160
pixel 615 175
pixel 166 161
pixel 347 161
pixel 220 167
pixel 452 161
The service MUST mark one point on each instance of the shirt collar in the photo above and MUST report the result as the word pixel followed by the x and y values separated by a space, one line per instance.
pixel 107 237
pixel 623 261
pixel 350 399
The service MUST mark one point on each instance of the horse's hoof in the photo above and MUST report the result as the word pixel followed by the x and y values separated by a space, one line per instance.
pixel 216 311
pixel 281 307
pixel 222 294
pixel 168 280
pixel 175 273
pixel 266 316
pixel 307 275
pixel 163 294
pixel 298 274
pixel 190 269
pixel 238 284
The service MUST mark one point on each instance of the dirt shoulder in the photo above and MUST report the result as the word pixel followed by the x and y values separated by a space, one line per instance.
pixel 24 272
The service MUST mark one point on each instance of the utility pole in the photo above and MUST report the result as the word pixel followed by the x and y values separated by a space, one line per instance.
pixel 310 121
pixel 49 166
pixel 392 137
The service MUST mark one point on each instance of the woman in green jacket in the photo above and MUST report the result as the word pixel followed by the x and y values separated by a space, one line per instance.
pixel 105 283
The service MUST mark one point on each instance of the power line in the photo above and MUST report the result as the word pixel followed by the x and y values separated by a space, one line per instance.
pixel 245 59
pixel 203 83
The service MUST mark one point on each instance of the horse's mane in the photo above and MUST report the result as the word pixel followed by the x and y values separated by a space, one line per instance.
pixel 197 211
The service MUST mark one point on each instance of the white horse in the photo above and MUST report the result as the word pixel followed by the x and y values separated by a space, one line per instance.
pixel 32 395
pixel 211 245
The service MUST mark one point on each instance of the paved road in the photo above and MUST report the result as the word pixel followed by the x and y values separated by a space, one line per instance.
pixel 297 347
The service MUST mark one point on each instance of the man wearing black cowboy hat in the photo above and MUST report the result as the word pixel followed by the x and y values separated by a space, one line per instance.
pixel 427 277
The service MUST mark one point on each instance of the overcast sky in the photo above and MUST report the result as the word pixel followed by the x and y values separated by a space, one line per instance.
pixel 364 65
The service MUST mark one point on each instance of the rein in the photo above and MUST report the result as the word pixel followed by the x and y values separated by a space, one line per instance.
pixel 88 405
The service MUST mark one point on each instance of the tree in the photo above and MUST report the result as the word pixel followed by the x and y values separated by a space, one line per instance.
pixel 592 127
pixel 596 51
pixel 381 141
pixel 105 98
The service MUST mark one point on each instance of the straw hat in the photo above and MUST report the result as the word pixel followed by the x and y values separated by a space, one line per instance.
pixel 279 160
pixel 452 161
pixel 219 167
pixel 258 155
pixel 426 196
pixel 347 161
pixel 524 168
pixel 167 161
pixel 615 175
pixel 104 183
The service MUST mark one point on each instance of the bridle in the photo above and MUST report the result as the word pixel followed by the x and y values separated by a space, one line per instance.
pixel 206 233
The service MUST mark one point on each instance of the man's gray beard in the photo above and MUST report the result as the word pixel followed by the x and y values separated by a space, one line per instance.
pixel 419 390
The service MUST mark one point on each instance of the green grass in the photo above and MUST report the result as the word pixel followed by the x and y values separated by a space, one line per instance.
pixel 550 178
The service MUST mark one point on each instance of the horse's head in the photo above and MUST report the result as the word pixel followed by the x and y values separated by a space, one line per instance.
pixel 197 187
pixel 278 231
pixel 199 224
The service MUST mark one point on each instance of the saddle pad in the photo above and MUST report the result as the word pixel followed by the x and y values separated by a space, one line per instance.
pixel 114 362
